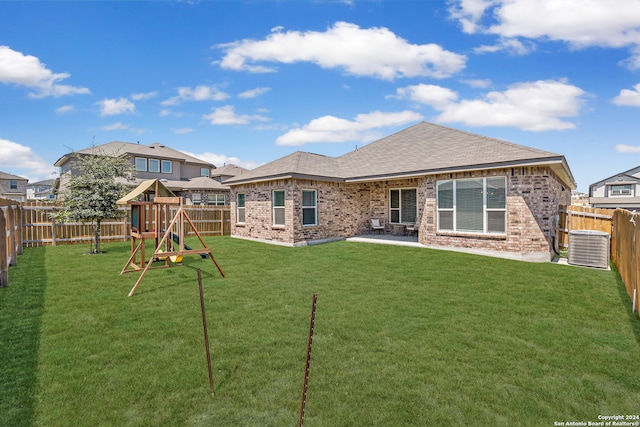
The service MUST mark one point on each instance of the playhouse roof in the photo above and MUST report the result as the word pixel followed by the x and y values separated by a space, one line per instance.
pixel 149 186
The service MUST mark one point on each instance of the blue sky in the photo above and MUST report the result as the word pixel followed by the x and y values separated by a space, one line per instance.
pixel 247 82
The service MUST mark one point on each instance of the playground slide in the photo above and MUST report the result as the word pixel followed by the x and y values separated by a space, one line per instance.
pixel 176 239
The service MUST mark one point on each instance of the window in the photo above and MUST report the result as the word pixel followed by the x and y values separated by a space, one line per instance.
pixel 13 184
pixel 167 166
pixel 621 190
pixel 204 172
pixel 403 206
pixel 154 165
pixel 196 198
pixel 472 205
pixel 216 199
pixel 309 207
pixel 240 207
pixel 278 207
pixel 141 164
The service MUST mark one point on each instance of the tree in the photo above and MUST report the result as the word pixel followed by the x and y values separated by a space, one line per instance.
pixel 92 191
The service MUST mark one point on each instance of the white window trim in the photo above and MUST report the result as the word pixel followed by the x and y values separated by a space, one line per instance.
pixel 208 172
pixel 162 163
pixel 274 208
pixel 485 209
pixel 314 207
pixel 399 209
pixel 135 162
pixel 239 208
pixel 612 194
pixel 149 161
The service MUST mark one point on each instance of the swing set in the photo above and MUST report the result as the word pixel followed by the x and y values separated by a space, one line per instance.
pixel 151 219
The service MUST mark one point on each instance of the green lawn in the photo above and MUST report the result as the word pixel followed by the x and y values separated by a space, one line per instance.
pixel 403 336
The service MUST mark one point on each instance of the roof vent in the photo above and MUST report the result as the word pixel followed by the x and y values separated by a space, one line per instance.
pixel 589 248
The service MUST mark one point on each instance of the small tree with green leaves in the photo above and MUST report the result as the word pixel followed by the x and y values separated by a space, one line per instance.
pixel 92 193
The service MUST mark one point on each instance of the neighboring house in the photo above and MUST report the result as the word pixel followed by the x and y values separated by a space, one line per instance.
pixel 13 187
pixel 465 191
pixel 41 190
pixel 185 175
pixel 618 191
pixel 579 199
pixel 225 172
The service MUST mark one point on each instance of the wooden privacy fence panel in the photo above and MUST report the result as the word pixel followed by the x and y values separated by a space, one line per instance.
pixel 582 218
pixel 10 237
pixel 40 229
pixel 626 250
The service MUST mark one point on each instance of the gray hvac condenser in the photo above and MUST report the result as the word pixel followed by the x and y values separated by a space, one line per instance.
pixel 589 248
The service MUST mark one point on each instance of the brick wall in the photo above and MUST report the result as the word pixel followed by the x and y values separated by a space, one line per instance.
pixel 533 196
pixel 345 210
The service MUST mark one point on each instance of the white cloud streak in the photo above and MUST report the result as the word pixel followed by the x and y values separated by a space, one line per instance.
pixel 373 52
pixel 253 93
pixel 623 148
pixel 198 93
pixel 27 70
pixel 331 129
pixel 628 97
pixel 111 107
pixel 227 116
pixel 531 106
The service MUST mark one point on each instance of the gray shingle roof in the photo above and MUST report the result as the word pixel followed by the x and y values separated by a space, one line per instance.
pixel 424 148
pixel 4 175
pixel 118 148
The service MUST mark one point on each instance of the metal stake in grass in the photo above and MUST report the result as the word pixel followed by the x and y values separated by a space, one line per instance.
pixel 306 369
pixel 206 334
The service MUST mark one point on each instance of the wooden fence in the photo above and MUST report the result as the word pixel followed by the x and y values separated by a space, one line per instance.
pixel 10 237
pixel 40 229
pixel 625 244
pixel 582 218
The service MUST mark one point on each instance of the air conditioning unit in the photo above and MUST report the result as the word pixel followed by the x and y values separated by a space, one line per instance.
pixel 589 248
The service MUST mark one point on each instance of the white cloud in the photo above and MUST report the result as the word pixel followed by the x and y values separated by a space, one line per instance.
pixel 374 52
pixel 144 96
pixel 627 97
pixel 222 159
pixel 122 126
pixel 622 148
pixel 198 93
pixel 436 96
pixel 227 116
pixel 27 70
pixel 580 23
pixel 111 107
pixel 65 109
pixel 334 129
pixel 254 92
pixel 478 83
pixel 14 155
pixel 511 46
pixel 181 131
pixel 532 106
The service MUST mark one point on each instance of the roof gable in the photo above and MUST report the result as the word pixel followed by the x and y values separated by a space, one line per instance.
pixel 424 148
pixel 4 175
pixel 119 148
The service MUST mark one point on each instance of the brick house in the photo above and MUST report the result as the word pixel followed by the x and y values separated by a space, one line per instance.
pixel 465 191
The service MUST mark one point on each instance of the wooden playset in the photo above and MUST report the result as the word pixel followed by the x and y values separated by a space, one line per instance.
pixel 151 218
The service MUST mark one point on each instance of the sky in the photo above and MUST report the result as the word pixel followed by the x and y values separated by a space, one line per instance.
pixel 248 82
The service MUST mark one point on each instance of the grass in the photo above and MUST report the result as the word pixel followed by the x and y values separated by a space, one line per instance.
pixel 403 336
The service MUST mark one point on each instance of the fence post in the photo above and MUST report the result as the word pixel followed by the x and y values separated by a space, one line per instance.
pixel 19 232
pixel 53 230
pixel 11 245
pixel 4 266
